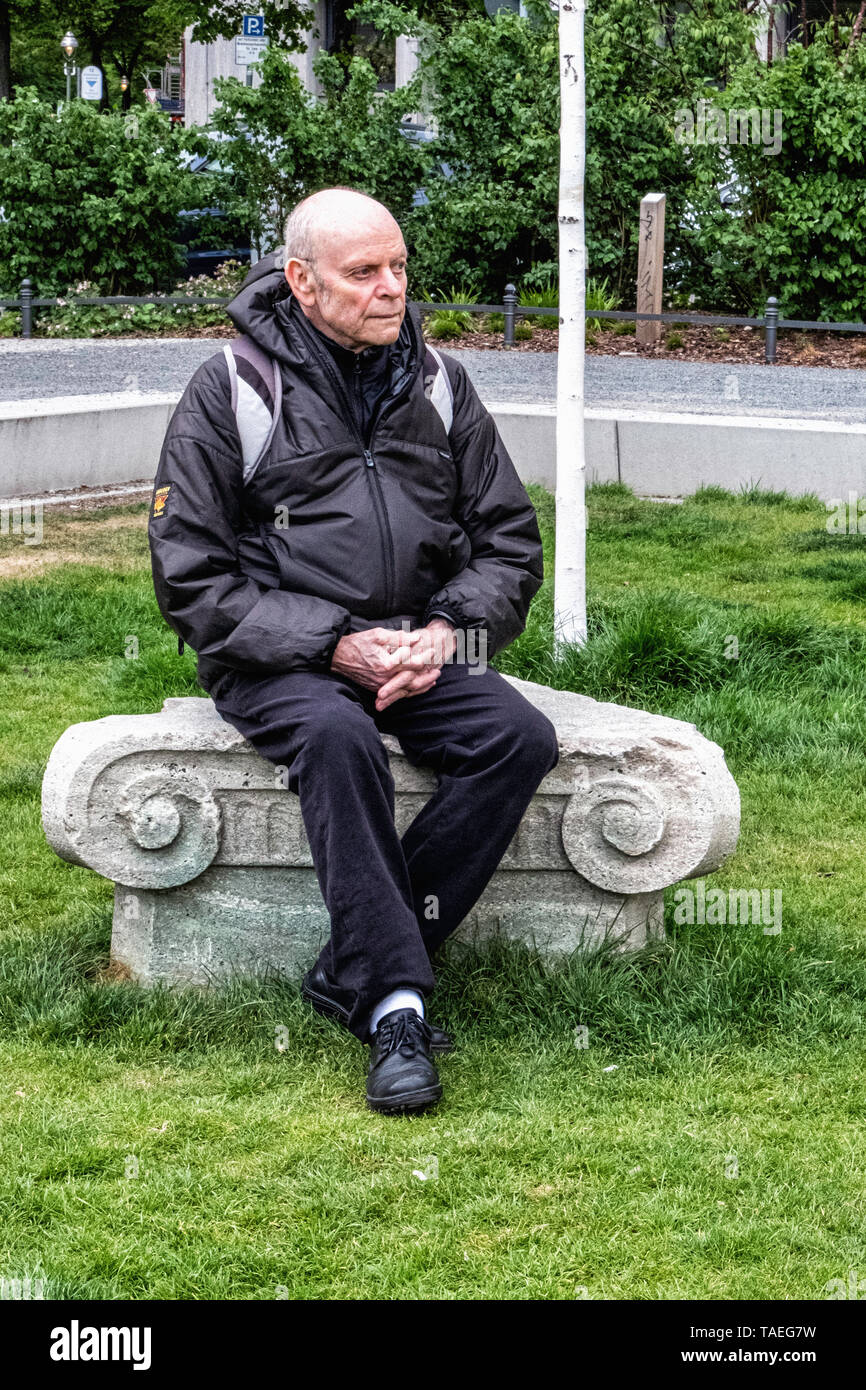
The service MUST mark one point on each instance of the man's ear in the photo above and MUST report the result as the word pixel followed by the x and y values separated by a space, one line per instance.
pixel 301 282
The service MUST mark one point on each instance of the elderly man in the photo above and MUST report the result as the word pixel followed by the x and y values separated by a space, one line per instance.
pixel 343 584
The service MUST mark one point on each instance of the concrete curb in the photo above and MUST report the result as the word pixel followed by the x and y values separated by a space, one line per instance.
pixel 660 454
pixel 63 442
pixel 66 442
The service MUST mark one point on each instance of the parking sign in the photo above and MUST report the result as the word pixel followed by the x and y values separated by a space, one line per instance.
pixel 254 26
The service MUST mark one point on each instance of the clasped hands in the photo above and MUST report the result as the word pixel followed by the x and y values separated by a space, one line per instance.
pixel 395 664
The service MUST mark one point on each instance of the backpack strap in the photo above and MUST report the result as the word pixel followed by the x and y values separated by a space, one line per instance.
pixel 437 386
pixel 257 393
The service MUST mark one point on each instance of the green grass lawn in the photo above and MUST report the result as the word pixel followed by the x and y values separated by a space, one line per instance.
pixel 706 1144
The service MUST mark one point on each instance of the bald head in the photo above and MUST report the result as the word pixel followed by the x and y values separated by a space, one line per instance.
pixel 345 261
pixel 332 215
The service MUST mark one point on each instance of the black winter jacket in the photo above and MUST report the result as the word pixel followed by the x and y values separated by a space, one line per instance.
pixel 423 521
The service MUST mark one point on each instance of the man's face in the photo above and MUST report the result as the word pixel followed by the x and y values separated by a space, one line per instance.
pixel 355 292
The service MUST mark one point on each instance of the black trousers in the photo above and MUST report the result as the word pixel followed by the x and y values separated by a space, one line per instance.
pixel 393 901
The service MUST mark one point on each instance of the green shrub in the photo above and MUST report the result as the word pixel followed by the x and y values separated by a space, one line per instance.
pixel 599 296
pixel 799 227
pixel 447 324
pixel 282 143
pixel 451 323
pixel 674 340
pixel 71 319
pixel 491 85
pixel 89 196
pixel 545 297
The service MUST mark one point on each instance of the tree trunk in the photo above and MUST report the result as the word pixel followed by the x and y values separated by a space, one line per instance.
pixel 95 46
pixel 5 52
pixel 771 25
pixel 98 61
pixel 341 37
pixel 126 63
pixel 858 26
pixel 570 571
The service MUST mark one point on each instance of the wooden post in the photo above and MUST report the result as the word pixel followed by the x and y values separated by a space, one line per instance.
pixel 650 267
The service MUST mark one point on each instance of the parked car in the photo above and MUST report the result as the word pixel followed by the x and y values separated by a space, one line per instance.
pixel 210 237
pixel 209 234
pixel 420 135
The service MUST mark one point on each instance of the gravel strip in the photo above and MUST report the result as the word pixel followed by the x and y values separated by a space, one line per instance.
pixel 83 367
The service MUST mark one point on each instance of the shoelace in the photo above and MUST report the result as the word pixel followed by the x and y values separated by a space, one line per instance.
pixel 402 1032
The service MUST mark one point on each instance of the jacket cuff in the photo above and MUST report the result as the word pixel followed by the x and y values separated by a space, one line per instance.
pixel 327 654
pixel 443 608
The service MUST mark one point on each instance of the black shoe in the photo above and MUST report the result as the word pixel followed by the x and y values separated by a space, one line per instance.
pixel 319 990
pixel 401 1075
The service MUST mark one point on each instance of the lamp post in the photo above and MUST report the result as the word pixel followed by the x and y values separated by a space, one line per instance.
pixel 68 45
pixel 124 88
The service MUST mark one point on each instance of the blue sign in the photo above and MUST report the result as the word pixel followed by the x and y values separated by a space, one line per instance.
pixel 254 26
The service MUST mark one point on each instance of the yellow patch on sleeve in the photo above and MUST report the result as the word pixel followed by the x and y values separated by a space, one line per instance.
pixel 159 500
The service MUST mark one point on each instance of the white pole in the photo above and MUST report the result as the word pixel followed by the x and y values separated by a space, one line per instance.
pixel 570 573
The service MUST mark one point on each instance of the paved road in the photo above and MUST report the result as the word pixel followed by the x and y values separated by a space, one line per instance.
pixel 39 369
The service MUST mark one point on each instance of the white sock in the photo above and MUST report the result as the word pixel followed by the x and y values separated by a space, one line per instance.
pixel 397 999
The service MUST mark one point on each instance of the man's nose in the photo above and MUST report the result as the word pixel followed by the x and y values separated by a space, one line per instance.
pixel 391 284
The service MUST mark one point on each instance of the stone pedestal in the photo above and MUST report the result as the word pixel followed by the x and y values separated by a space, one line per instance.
pixel 213 873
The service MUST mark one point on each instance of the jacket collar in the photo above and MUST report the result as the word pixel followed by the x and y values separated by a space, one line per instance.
pixel 266 310
pixel 369 357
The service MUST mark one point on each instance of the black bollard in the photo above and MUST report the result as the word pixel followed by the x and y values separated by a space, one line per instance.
pixel 26 309
pixel 771 322
pixel 509 300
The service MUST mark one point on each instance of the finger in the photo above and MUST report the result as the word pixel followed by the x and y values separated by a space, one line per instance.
pixel 408 683
pixel 397 682
pixel 398 657
pixel 390 636
pixel 384 703
pixel 407 692
pixel 421 658
pixel 416 686
pixel 425 682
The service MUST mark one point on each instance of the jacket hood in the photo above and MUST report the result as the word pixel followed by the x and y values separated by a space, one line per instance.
pixel 266 310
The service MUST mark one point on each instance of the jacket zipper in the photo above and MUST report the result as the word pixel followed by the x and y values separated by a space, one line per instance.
pixel 383 511
pixel 384 522
pixel 370 463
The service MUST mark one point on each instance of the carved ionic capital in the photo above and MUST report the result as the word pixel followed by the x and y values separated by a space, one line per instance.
pixel 636 802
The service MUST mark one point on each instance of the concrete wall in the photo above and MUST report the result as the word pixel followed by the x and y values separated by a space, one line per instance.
pixel 75 441
pixel 205 61
pixel 80 441
pixel 666 455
